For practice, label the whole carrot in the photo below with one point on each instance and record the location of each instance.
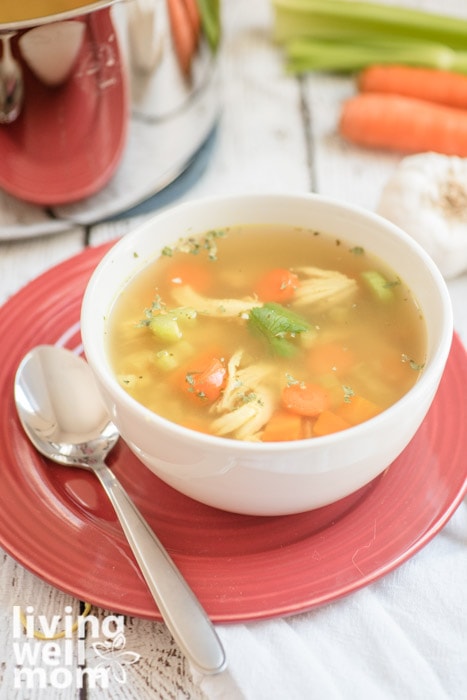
(183, 34)
(440, 86)
(192, 10)
(404, 124)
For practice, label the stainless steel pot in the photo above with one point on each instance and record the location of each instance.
(170, 83)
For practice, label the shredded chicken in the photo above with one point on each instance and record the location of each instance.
(186, 296)
(246, 404)
(319, 287)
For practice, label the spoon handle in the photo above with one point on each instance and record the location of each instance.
(179, 607)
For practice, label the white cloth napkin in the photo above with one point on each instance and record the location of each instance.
(404, 637)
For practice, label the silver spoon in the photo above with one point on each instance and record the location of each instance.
(11, 83)
(63, 415)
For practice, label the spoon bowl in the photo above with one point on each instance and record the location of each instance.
(60, 409)
(62, 413)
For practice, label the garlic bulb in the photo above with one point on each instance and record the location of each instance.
(427, 197)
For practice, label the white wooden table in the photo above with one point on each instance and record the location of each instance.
(276, 133)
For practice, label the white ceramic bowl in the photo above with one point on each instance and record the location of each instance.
(268, 478)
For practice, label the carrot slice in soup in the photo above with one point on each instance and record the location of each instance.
(283, 426)
(305, 399)
(330, 357)
(181, 273)
(277, 285)
(329, 422)
(204, 378)
(358, 409)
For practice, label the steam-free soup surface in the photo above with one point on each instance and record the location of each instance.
(266, 333)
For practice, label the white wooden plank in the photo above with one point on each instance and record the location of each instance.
(341, 170)
(21, 261)
(20, 589)
(149, 663)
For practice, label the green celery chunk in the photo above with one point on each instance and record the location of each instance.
(378, 285)
(165, 327)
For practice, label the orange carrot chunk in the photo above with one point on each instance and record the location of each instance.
(329, 422)
(440, 86)
(277, 285)
(330, 357)
(206, 380)
(305, 399)
(357, 409)
(180, 273)
(282, 426)
(404, 124)
(197, 426)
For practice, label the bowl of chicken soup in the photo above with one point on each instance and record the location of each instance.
(267, 354)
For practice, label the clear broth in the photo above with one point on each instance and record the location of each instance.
(360, 346)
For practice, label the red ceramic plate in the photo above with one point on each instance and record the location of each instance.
(68, 141)
(58, 523)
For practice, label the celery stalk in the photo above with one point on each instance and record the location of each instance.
(344, 56)
(359, 33)
(210, 20)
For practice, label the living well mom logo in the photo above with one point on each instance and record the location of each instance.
(56, 655)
